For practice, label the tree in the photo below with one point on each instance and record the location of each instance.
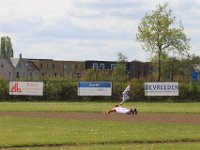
(119, 72)
(96, 75)
(157, 36)
(6, 47)
(164, 68)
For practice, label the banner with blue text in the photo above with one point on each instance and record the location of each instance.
(94, 89)
(161, 89)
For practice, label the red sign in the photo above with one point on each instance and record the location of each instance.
(26, 88)
(15, 88)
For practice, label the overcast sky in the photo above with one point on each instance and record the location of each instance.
(87, 29)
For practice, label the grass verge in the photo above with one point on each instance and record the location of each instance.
(192, 108)
(28, 132)
(166, 146)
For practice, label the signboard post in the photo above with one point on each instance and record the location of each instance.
(94, 88)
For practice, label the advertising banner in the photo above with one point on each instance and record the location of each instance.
(94, 89)
(161, 89)
(26, 88)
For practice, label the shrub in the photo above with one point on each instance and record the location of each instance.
(4, 89)
(63, 90)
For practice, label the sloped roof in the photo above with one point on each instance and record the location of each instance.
(14, 61)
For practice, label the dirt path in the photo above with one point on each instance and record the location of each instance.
(142, 117)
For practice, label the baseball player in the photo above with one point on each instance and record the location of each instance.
(122, 110)
(125, 95)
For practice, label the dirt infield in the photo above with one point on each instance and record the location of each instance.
(141, 117)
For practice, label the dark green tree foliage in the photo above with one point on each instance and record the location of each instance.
(193, 62)
(66, 91)
(6, 47)
(4, 86)
(96, 75)
(119, 73)
(180, 67)
(158, 35)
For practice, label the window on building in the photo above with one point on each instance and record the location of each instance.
(76, 66)
(139, 67)
(133, 70)
(30, 74)
(65, 66)
(47, 66)
(41, 65)
(70, 66)
(53, 66)
(112, 66)
(95, 66)
(2, 65)
(102, 66)
(17, 75)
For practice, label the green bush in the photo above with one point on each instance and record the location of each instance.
(117, 89)
(190, 91)
(63, 90)
(4, 89)
(137, 90)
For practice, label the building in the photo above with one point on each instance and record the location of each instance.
(100, 65)
(140, 70)
(52, 68)
(18, 68)
(73, 68)
(48, 67)
(134, 69)
(35, 69)
(6, 69)
(33, 72)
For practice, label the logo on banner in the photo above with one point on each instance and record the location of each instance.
(15, 88)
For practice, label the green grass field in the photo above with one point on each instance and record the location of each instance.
(34, 133)
(192, 108)
(178, 146)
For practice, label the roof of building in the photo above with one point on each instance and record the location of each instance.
(14, 61)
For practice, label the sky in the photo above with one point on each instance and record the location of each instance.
(79, 30)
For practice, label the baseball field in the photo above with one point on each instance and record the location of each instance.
(86, 125)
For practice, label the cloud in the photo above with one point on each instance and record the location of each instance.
(107, 4)
(82, 50)
(86, 29)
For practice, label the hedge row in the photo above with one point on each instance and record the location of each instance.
(66, 91)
